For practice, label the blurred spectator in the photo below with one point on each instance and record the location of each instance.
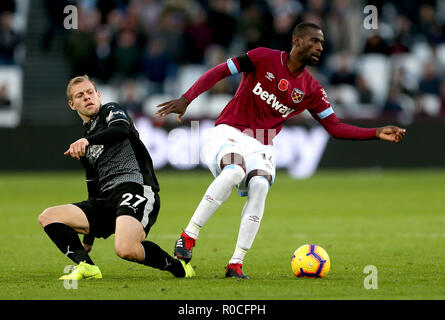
(343, 25)
(115, 21)
(154, 65)
(250, 26)
(286, 14)
(54, 9)
(103, 55)
(344, 74)
(376, 44)
(199, 35)
(283, 26)
(222, 22)
(126, 56)
(5, 101)
(9, 39)
(107, 6)
(149, 15)
(280, 7)
(429, 26)
(363, 90)
(173, 23)
(79, 47)
(317, 7)
(403, 39)
(393, 104)
(151, 39)
(404, 80)
(408, 8)
(131, 21)
(430, 81)
(131, 98)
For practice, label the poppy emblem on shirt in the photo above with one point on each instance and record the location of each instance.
(297, 95)
(283, 84)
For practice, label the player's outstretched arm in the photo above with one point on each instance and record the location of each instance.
(204, 83)
(390, 133)
(341, 130)
(173, 106)
(77, 149)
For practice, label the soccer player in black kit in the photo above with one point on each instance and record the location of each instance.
(122, 190)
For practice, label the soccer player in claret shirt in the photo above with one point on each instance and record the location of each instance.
(238, 150)
(122, 191)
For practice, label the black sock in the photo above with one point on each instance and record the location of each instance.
(157, 258)
(67, 240)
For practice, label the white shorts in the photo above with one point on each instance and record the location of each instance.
(223, 139)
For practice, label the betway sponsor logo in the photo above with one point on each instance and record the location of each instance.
(272, 101)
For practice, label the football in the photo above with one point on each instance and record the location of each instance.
(310, 260)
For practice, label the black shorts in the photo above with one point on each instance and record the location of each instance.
(127, 198)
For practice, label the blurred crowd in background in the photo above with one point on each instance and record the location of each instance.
(140, 47)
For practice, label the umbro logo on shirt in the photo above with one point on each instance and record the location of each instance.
(269, 76)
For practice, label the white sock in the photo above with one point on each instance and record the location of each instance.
(251, 217)
(217, 193)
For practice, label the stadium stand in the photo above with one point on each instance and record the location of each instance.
(163, 46)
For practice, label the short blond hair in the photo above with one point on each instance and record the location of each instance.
(75, 81)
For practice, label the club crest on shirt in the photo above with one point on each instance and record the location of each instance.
(93, 152)
(297, 95)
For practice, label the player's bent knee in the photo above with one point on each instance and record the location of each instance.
(68, 214)
(128, 251)
(235, 173)
(260, 184)
(46, 217)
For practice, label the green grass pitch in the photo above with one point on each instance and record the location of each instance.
(393, 220)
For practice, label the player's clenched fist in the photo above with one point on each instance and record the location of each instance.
(77, 149)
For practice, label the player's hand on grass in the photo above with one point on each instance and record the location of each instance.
(390, 133)
(77, 149)
(173, 106)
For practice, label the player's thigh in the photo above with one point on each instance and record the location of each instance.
(68, 214)
(221, 148)
(218, 143)
(128, 237)
(129, 231)
(137, 208)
